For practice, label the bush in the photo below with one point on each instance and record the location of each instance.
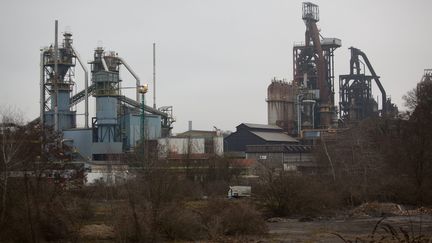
(127, 228)
(35, 216)
(178, 223)
(243, 219)
(222, 217)
(289, 194)
(216, 188)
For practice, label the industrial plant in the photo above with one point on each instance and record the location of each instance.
(306, 106)
(299, 112)
(120, 122)
(335, 159)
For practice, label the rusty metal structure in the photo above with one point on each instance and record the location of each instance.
(427, 76)
(281, 97)
(355, 90)
(423, 86)
(306, 106)
(313, 74)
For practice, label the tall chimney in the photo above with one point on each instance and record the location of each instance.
(154, 75)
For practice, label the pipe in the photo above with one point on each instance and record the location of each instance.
(313, 115)
(154, 75)
(313, 33)
(305, 76)
(298, 115)
(56, 125)
(374, 75)
(104, 63)
(42, 90)
(86, 113)
(42, 101)
(134, 75)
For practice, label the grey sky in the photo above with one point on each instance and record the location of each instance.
(215, 59)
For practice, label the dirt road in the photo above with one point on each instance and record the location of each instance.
(292, 230)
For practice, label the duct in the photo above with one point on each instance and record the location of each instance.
(377, 81)
(42, 90)
(104, 64)
(56, 54)
(86, 113)
(134, 75)
(146, 108)
(299, 96)
(305, 77)
(355, 64)
(324, 90)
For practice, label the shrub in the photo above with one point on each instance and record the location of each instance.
(178, 223)
(289, 194)
(222, 217)
(242, 219)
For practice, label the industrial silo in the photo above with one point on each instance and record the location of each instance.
(281, 105)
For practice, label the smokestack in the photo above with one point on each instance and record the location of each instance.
(154, 75)
(190, 126)
(56, 76)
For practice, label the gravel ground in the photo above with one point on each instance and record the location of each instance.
(292, 230)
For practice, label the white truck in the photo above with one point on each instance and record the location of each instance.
(239, 191)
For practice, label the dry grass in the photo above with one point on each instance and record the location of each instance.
(97, 232)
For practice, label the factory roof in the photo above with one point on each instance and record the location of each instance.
(278, 148)
(199, 133)
(275, 137)
(260, 126)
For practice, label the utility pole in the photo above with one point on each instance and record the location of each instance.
(56, 79)
(143, 90)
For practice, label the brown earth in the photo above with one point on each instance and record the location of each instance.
(292, 230)
(359, 222)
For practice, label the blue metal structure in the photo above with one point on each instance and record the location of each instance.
(106, 81)
(117, 126)
(81, 139)
(132, 128)
(57, 76)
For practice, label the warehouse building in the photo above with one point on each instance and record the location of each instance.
(256, 134)
(295, 158)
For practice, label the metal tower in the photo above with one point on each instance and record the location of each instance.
(313, 70)
(355, 90)
(106, 85)
(57, 81)
(105, 77)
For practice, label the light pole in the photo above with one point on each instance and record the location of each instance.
(143, 90)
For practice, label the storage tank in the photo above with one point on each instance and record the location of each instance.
(176, 147)
(281, 97)
(106, 81)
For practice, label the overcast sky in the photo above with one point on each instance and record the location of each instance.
(215, 58)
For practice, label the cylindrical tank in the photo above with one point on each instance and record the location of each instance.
(281, 104)
(105, 78)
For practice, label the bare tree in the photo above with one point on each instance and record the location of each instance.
(12, 140)
(352, 158)
(410, 99)
(417, 137)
